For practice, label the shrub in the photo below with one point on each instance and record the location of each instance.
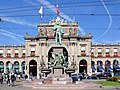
(114, 79)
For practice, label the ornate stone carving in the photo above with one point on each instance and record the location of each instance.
(57, 59)
(42, 32)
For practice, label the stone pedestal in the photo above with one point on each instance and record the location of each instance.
(57, 71)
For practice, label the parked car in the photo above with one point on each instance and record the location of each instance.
(104, 75)
(94, 76)
(80, 76)
(75, 77)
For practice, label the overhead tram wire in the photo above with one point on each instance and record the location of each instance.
(113, 29)
(33, 15)
(47, 8)
(18, 28)
(59, 3)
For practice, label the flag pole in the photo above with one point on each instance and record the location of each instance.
(57, 10)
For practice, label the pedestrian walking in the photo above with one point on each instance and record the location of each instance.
(31, 77)
(3, 75)
(19, 76)
(13, 79)
(26, 76)
(8, 79)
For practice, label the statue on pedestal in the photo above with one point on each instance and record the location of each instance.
(58, 32)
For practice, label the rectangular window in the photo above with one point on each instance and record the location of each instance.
(8, 52)
(32, 50)
(24, 51)
(23, 54)
(99, 51)
(16, 54)
(83, 49)
(1, 52)
(92, 51)
(115, 50)
(107, 50)
(16, 50)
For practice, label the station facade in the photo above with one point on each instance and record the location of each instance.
(78, 50)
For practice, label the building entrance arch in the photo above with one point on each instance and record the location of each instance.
(1, 67)
(83, 66)
(16, 67)
(33, 67)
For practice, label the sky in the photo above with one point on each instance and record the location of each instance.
(99, 17)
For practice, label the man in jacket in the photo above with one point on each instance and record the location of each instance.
(13, 78)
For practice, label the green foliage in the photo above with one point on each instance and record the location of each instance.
(114, 79)
(109, 83)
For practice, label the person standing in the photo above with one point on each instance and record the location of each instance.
(26, 76)
(13, 78)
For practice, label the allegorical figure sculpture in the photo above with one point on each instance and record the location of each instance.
(57, 59)
(58, 32)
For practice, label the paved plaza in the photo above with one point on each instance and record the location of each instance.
(35, 85)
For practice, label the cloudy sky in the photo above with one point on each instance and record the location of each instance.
(99, 17)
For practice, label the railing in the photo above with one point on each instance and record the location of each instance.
(23, 56)
(32, 54)
(83, 54)
(1, 56)
(99, 55)
(115, 55)
(107, 55)
(16, 56)
(8, 56)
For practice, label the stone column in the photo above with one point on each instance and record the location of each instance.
(89, 70)
(69, 56)
(45, 54)
(20, 67)
(4, 67)
(27, 67)
(96, 66)
(38, 64)
(69, 60)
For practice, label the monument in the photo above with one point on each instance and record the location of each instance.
(57, 59)
(58, 32)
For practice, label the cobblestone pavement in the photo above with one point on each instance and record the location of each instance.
(16, 87)
(83, 85)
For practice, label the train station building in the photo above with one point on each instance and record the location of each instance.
(78, 52)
